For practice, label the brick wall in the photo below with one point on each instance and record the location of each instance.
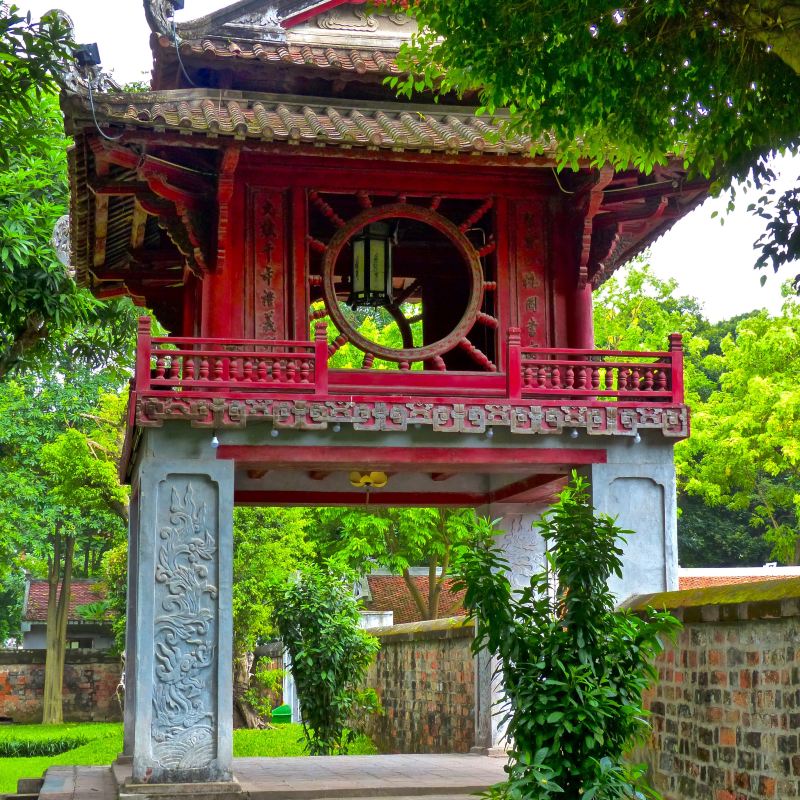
(726, 709)
(425, 677)
(90, 680)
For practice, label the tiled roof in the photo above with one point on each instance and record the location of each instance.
(390, 126)
(390, 593)
(81, 593)
(705, 581)
(359, 61)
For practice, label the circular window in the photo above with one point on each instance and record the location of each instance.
(434, 288)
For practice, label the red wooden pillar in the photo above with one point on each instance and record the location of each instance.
(580, 327)
(676, 350)
(143, 351)
(514, 364)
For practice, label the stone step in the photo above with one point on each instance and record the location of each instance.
(29, 786)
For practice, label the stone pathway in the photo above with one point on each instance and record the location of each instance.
(400, 777)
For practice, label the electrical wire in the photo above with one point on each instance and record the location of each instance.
(178, 53)
(94, 114)
(558, 181)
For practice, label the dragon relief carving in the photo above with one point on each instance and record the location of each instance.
(184, 713)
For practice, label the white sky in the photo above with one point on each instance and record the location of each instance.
(710, 261)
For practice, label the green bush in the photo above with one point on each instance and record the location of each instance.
(573, 668)
(317, 617)
(28, 748)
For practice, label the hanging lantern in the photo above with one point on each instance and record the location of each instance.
(371, 277)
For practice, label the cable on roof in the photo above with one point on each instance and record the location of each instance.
(94, 114)
(178, 53)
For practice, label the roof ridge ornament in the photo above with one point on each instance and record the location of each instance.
(266, 24)
(159, 14)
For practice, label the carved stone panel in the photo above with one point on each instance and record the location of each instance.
(185, 625)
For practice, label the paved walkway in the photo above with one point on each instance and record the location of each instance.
(400, 777)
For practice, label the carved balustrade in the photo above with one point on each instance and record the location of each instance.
(230, 367)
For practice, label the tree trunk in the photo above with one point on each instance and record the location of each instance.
(416, 594)
(57, 615)
(247, 716)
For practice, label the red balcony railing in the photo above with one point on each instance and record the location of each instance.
(243, 367)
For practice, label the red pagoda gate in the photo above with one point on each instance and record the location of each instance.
(267, 191)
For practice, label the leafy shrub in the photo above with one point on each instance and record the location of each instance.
(27, 748)
(317, 617)
(573, 668)
(266, 685)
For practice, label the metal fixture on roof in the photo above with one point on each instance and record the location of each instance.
(87, 55)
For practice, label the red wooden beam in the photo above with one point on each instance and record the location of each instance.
(376, 497)
(406, 459)
(506, 494)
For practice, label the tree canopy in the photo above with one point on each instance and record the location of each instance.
(31, 55)
(744, 451)
(631, 82)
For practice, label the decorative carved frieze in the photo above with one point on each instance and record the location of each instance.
(186, 577)
(357, 20)
(217, 412)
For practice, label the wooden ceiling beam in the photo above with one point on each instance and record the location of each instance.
(138, 225)
(100, 230)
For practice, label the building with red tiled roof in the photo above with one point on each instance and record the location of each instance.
(703, 578)
(81, 634)
(391, 593)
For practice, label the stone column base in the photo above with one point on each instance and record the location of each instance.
(224, 790)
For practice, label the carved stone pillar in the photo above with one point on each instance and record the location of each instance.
(524, 551)
(179, 720)
(637, 487)
(129, 715)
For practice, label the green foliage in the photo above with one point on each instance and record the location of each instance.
(718, 536)
(629, 83)
(376, 325)
(103, 744)
(317, 617)
(114, 579)
(573, 668)
(57, 471)
(31, 56)
(51, 746)
(353, 539)
(266, 685)
(744, 452)
(44, 317)
(635, 310)
(269, 546)
(285, 741)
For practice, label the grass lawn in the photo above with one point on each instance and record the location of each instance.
(104, 743)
